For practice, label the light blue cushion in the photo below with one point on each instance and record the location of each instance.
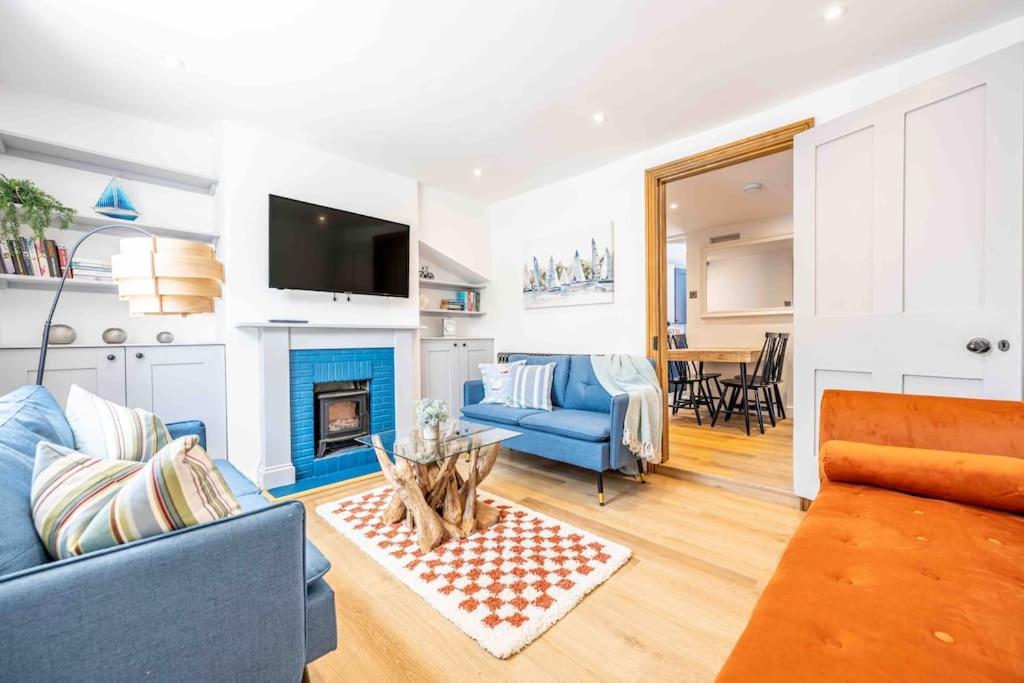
(497, 381)
(561, 375)
(316, 564)
(236, 481)
(27, 415)
(496, 413)
(187, 428)
(592, 455)
(583, 391)
(575, 424)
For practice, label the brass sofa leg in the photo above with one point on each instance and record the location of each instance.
(600, 488)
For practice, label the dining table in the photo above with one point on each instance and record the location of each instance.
(741, 355)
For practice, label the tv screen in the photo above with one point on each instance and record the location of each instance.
(328, 250)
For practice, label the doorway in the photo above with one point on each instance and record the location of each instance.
(720, 277)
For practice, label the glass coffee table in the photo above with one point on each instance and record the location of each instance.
(430, 492)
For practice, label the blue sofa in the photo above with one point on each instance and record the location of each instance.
(242, 598)
(584, 427)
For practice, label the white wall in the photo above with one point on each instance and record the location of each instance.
(253, 165)
(615, 192)
(22, 312)
(733, 331)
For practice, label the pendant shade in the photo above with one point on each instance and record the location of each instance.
(164, 276)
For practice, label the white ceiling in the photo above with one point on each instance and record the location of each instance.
(717, 198)
(435, 89)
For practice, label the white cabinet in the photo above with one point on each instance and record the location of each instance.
(99, 370)
(447, 364)
(181, 383)
(175, 382)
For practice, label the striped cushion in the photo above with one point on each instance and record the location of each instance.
(68, 489)
(178, 488)
(104, 429)
(531, 386)
(81, 503)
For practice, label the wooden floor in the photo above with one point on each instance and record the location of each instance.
(726, 453)
(701, 556)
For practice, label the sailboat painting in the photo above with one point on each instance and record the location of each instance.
(114, 202)
(570, 268)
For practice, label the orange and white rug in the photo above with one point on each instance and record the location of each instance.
(503, 587)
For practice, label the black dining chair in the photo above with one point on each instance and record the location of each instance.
(733, 398)
(689, 376)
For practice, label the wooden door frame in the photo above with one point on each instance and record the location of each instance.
(655, 180)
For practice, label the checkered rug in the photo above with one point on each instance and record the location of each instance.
(503, 587)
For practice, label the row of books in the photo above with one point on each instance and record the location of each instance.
(466, 300)
(91, 269)
(27, 256)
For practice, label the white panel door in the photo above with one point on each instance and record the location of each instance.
(440, 362)
(99, 370)
(908, 244)
(181, 383)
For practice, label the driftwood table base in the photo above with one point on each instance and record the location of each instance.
(436, 499)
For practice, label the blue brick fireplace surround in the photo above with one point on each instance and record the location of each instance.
(311, 366)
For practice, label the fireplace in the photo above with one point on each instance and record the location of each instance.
(342, 414)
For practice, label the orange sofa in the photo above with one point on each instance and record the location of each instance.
(909, 565)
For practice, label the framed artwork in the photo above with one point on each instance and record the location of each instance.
(573, 268)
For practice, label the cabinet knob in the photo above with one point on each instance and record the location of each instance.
(455, 343)
(111, 356)
(138, 354)
(463, 343)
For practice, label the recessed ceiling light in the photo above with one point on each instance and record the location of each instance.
(599, 118)
(172, 62)
(753, 187)
(673, 205)
(321, 218)
(835, 12)
(478, 172)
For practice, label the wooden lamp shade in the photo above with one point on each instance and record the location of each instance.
(163, 276)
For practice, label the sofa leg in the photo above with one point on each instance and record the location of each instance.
(640, 469)
(600, 488)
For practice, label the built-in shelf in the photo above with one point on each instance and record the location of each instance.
(37, 282)
(331, 326)
(445, 312)
(448, 284)
(83, 223)
(89, 160)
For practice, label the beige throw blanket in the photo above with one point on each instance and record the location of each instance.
(634, 375)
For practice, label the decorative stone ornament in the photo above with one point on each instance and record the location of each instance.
(114, 335)
(165, 337)
(61, 335)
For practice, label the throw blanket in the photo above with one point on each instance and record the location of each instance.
(634, 375)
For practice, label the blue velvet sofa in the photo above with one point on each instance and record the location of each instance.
(584, 427)
(242, 598)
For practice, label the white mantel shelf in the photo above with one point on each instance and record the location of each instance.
(329, 326)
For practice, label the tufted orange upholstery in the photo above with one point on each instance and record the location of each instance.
(882, 585)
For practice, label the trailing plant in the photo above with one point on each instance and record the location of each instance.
(22, 202)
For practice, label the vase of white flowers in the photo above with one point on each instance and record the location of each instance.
(431, 412)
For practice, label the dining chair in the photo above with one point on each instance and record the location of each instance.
(759, 382)
(685, 375)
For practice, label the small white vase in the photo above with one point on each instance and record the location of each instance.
(428, 432)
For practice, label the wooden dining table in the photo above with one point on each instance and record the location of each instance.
(741, 355)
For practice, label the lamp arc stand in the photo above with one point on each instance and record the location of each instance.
(60, 288)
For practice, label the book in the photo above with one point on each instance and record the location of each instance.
(28, 257)
(42, 265)
(6, 264)
(14, 249)
(62, 253)
(52, 258)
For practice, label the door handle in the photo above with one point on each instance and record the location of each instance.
(979, 345)
(138, 354)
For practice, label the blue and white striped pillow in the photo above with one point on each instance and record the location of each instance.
(531, 386)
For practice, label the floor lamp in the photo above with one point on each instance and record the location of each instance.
(155, 275)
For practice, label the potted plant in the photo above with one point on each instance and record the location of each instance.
(431, 412)
(22, 202)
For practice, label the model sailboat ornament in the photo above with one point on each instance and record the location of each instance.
(114, 202)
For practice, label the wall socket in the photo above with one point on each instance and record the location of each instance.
(693, 293)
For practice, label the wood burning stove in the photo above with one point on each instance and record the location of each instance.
(342, 414)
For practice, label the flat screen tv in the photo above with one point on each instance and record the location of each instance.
(328, 250)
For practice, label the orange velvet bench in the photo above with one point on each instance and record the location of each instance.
(909, 565)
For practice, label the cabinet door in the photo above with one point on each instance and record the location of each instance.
(181, 383)
(439, 363)
(475, 352)
(96, 369)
